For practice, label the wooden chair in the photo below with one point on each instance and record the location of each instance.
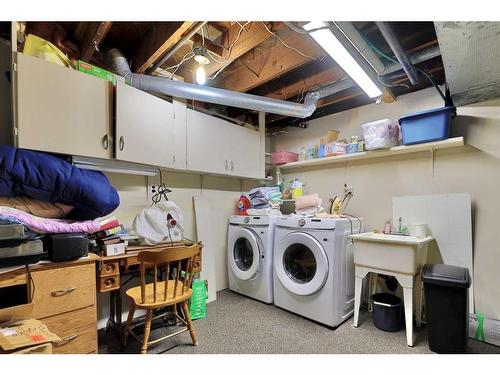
(177, 263)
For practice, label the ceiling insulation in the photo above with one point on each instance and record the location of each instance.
(470, 58)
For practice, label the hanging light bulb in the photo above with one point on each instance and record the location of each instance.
(200, 56)
(201, 76)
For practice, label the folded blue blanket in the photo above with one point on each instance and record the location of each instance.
(53, 179)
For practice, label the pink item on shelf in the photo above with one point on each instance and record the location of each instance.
(283, 157)
(305, 201)
(44, 225)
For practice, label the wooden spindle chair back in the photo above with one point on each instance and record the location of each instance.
(178, 258)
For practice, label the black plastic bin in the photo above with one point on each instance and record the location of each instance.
(387, 312)
(447, 307)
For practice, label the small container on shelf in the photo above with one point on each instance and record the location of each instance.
(283, 157)
(380, 134)
(335, 148)
(351, 148)
(427, 126)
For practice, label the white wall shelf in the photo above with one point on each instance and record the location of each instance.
(393, 151)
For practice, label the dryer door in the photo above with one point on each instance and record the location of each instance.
(244, 254)
(301, 264)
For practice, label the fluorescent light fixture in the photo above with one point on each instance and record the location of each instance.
(114, 166)
(337, 51)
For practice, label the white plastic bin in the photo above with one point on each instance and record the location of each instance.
(380, 134)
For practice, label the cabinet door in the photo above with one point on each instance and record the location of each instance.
(208, 143)
(62, 110)
(245, 155)
(144, 127)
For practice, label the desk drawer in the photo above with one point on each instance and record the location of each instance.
(63, 289)
(77, 331)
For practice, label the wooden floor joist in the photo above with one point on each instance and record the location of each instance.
(158, 42)
(272, 63)
(91, 35)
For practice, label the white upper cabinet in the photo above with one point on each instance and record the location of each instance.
(220, 147)
(61, 110)
(145, 128)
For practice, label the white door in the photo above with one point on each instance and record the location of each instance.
(301, 264)
(208, 143)
(144, 127)
(61, 110)
(244, 254)
(244, 151)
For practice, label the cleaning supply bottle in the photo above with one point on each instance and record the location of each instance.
(312, 152)
(296, 189)
(279, 183)
(321, 149)
(243, 205)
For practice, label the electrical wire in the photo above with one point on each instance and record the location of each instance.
(177, 66)
(286, 45)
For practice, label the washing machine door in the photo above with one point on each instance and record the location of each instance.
(301, 264)
(244, 254)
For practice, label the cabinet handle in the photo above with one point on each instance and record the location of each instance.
(105, 142)
(232, 166)
(62, 292)
(226, 165)
(65, 340)
(122, 143)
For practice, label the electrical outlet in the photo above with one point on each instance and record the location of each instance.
(153, 183)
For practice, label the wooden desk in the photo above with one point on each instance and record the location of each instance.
(64, 299)
(112, 268)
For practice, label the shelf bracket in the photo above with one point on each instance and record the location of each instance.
(433, 156)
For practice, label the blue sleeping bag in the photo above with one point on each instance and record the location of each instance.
(49, 178)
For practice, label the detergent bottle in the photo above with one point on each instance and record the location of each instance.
(296, 189)
(243, 205)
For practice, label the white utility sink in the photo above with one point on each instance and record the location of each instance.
(401, 254)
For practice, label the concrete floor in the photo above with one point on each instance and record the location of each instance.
(236, 324)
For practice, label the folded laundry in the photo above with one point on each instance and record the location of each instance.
(52, 179)
(36, 207)
(259, 197)
(263, 211)
(37, 224)
(306, 201)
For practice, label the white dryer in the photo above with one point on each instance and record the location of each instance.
(314, 268)
(250, 256)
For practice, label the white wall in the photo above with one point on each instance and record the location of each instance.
(473, 169)
(222, 193)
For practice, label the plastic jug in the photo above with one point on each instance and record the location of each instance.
(296, 189)
(243, 205)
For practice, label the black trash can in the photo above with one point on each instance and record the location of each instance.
(387, 312)
(447, 307)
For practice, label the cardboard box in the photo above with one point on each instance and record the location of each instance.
(114, 249)
(335, 148)
(24, 333)
(484, 329)
(93, 70)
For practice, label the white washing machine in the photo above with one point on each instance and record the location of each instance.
(314, 268)
(250, 256)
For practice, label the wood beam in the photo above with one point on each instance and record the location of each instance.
(211, 46)
(158, 42)
(272, 63)
(91, 35)
(255, 34)
(312, 82)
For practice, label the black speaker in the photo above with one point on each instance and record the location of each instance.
(63, 247)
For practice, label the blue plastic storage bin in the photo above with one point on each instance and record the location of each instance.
(427, 126)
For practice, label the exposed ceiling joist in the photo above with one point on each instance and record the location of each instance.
(307, 84)
(274, 62)
(90, 35)
(158, 42)
(211, 46)
(254, 34)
